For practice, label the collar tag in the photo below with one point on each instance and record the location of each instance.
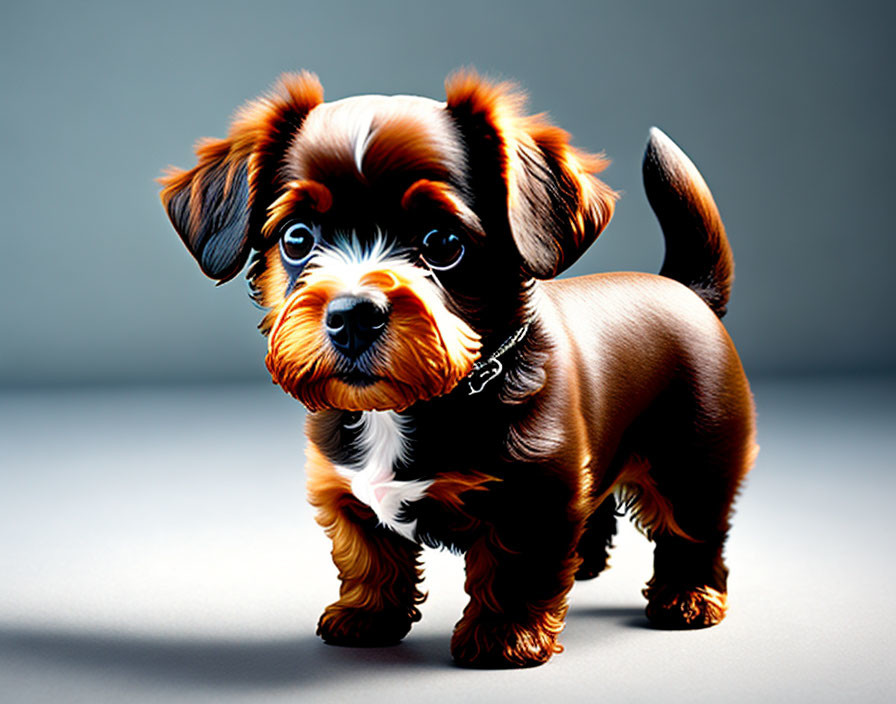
(482, 374)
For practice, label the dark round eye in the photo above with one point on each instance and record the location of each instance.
(442, 250)
(296, 243)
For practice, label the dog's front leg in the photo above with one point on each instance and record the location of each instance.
(517, 594)
(379, 570)
(378, 596)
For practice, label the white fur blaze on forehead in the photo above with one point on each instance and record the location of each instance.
(354, 134)
(360, 136)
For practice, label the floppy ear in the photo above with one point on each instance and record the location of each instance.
(555, 208)
(209, 208)
(218, 206)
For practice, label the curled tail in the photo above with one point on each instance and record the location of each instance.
(697, 250)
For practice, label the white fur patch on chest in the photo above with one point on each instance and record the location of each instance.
(383, 441)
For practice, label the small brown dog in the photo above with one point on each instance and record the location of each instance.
(458, 397)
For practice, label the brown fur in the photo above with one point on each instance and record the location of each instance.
(624, 385)
(250, 152)
(379, 572)
(421, 359)
(435, 195)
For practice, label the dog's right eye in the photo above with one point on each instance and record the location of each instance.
(442, 250)
(296, 243)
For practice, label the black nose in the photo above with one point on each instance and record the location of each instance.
(354, 323)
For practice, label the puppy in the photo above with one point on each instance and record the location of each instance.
(458, 396)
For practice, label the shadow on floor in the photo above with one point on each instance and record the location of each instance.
(226, 663)
(628, 616)
(245, 663)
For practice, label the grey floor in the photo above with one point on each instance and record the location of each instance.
(155, 546)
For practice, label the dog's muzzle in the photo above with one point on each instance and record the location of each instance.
(380, 341)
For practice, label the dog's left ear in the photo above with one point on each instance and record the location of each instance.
(555, 207)
(219, 205)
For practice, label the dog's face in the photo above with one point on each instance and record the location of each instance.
(392, 236)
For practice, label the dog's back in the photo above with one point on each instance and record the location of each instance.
(642, 327)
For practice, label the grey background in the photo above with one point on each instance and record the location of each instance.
(155, 544)
(787, 108)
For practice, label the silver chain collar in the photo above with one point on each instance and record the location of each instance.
(484, 372)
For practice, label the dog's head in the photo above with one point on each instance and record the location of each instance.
(393, 237)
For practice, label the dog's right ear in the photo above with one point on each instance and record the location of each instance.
(218, 206)
(552, 203)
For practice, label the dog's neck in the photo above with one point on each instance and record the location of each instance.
(390, 465)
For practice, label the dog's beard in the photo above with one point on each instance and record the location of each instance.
(424, 352)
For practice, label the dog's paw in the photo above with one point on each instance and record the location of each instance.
(678, 608)
(495, 643)
(346, 625)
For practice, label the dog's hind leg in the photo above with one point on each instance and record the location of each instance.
(595, 543)
(689, 585)
(695, 474)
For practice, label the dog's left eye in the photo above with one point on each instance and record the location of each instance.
(442, 250)
(296, 243)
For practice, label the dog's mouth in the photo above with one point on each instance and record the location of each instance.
(357, 378)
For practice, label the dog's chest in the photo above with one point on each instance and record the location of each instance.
(379, 449)
(392, 460)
